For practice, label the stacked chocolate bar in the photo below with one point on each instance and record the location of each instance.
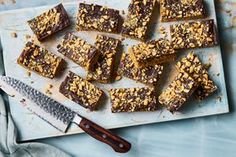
(192, 77)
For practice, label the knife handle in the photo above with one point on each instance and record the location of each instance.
(117, 143)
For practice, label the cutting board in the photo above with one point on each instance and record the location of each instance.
(32, 127)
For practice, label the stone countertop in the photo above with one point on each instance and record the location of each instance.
(199, 137)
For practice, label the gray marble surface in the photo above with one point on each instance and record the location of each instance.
(199, 137)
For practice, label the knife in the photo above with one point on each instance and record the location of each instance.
(59, 115)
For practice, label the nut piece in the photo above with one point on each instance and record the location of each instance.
(14, 35)
(28, 73)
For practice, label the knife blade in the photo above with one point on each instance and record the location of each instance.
(59, 115)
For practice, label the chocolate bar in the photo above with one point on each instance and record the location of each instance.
(151, 53)
(133, 99)
(49, 22)
(96, 17)
(78, 51)
(104, 67)
(149, 75)
(138, 18)
(81, 91)
(173, 10)
(193, 34)
(39, 60)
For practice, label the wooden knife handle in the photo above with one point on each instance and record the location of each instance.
(117, 143)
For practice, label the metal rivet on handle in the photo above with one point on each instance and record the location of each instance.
(121, 145)
(104, 136)
(86, 126)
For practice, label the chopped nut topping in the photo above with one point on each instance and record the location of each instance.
(81, 91)
(38, 59)
(138, 18)
(193, 66)
(148, 75)
(133, 99)
(152, 52)
(104, 67)
(178, 92)
(193, 34)
(49, 22)
(96, 17)
(79, 51)
(172, 10)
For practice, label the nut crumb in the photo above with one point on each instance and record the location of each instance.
(50, 86)
(28, 73)
(123, 12)
(14, 34)
(27, 36)
(219, 98)
(218, 74)
(207, 66)
(31, 82)
(48, 92)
